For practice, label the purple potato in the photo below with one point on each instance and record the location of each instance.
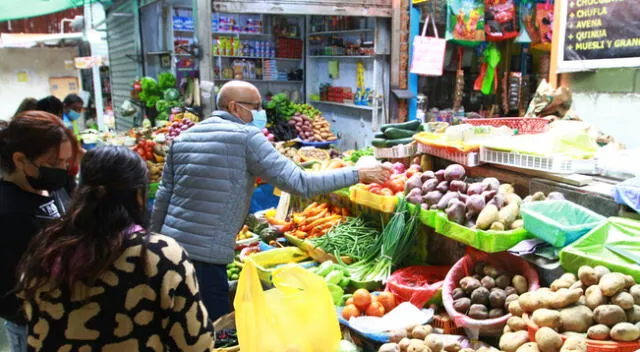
(440, 175)
(458, 186)
(454, 172)
(443, 186)
(429, 185)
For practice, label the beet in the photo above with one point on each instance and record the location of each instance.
(427, 175)
(432, 198)
(443, 186)
(458, 186)
(488, 195)
(475, 188)
(429, 185)
(455, 211)
(463, 197)
(491, 183)
(475, 204)
(415, 196)
(413, 182)
(440, 175)
(444, 201)
(454, 172)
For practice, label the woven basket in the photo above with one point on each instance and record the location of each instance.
(226, 322)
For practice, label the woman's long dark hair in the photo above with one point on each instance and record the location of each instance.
(89, 238)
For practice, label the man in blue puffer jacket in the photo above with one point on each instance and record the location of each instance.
(209, 178)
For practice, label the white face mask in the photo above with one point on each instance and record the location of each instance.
(259, 119)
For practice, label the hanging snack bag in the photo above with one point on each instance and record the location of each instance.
(544, 26)
(465, 22)
(501, 20)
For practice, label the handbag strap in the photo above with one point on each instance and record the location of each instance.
(426, 24)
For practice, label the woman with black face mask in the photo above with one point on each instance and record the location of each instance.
(35, 150)
(97, 280)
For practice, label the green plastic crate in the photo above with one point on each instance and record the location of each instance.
(590, 249)
(486, 241)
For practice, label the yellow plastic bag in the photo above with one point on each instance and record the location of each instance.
(296, 316)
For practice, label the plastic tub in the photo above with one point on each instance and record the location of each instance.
(592, 345)
(464, 267)
(417, 284)
(524, 125)
(558, 222)
(591, 249)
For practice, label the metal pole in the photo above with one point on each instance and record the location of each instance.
(202, 14)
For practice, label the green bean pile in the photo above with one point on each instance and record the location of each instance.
(353, 237)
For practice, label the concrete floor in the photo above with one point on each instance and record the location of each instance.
(4, 344)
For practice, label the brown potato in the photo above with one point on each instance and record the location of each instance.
(419, 332)
(512, 341)
(548, 340)
(629, 281)
(497, 298)
(469, 284)
(547, 317)
(576, 319)
(457, 293)
(594, 297)
(599, 332)
(478, 311)
(623, 299)
(530, 301)
(601, 271)
(565, 281)
(506, 329)
(587, 275)
(520, 283)
(515, 309)
(497, 313)
(462, 305)
(516, 324)
(509, 299)
(612, 283)
(624, 332)
(609, 315)
(633, 314)
(564, 297)
(574, 344)
(503, 281)
(635, 292)
(488, 282)
(389, 347)
(528, 347)
(434, 343)
(480, 296)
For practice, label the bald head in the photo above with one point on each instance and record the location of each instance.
(239, 91)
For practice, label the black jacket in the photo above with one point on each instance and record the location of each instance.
(22, 216)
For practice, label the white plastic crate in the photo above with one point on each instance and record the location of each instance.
(551, 164)
(396, 152)
(470, 159)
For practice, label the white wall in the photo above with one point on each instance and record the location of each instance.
(40, 63)
(616, 114)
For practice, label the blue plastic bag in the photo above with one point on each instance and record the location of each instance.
(628, 193)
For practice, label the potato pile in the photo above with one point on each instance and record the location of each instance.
(488, 293)
(598, 304)
(422, 339)
(315, 129)
(155, 171)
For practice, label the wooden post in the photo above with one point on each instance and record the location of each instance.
(555, 49)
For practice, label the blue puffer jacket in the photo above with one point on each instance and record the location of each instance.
(209, 178)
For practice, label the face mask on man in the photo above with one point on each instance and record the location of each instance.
(73, 115)
(259, 119)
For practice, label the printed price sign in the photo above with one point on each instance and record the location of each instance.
(599, 34)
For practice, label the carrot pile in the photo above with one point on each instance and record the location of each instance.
(314, 221)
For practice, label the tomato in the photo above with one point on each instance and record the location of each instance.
(375, 309)
(386, 192)
(396, 186)
(371, 185)
(410, 173)
(350, 311)
(375, 189)
(361, 299)
(388, 300)
(349, 301)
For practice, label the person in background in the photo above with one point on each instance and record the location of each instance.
(72, 109)
(209, 178)
(54, 106)
(35, 150)
(51, 105)
(98, 280)
(26, 105)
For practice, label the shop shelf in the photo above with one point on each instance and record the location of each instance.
(354, 106)
(242, 34)
(341, 57)
(552, 164)
(470, 159)
(348, 31)
(252, 57)
(262, 81)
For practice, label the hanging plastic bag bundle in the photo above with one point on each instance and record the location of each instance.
(465, 22)
(296, 316)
